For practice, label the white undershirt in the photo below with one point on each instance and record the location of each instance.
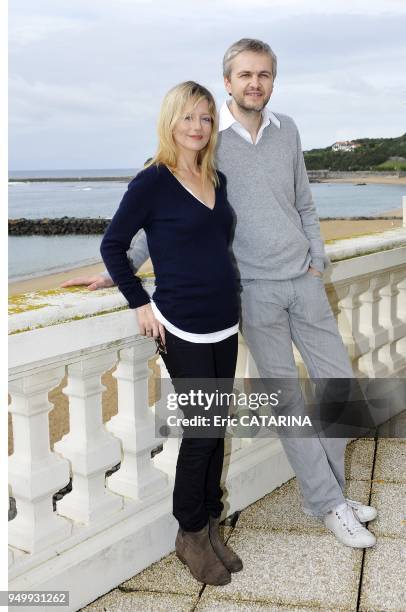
(217, 336)
(210, 337)
(226, 120)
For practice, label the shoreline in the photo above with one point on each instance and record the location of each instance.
(55, 279)
(368, 179)
(330, 230)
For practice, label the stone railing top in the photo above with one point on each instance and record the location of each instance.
(363, 245)
(39, 309)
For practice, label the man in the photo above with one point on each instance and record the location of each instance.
(280, 259)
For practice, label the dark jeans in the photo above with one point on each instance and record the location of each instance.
(197, 492)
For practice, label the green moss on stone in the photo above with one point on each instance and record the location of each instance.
(14, 309)
(60, 291)
(335, 240)
(75, 318)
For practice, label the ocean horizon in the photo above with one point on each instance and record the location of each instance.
(72, 173)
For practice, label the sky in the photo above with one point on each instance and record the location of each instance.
(86, 77)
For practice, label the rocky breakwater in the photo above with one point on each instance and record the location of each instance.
(55, 227)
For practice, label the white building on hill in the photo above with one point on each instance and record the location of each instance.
(345, 145)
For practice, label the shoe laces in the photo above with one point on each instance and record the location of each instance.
(348, 519)
(354, 504)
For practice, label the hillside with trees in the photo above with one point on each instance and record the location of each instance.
(374, 154)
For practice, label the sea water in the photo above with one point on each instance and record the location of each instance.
(37, 255)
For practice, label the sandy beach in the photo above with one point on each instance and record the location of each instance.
(371, 180)
(50, 281)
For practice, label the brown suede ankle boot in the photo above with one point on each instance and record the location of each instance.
(194, 549)
(229, 558)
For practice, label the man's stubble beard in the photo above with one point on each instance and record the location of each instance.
(249, 109)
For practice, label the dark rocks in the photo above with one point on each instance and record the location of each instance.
(72, 179)
(54, 227)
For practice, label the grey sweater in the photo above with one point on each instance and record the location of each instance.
(277, 232)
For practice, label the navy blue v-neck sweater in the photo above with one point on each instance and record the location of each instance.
(196, 286)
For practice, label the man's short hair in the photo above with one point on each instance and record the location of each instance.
(247, 44)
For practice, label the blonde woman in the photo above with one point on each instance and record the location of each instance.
(180, 201)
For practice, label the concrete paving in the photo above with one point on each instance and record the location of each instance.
(291, 562)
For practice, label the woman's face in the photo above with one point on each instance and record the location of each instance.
(193, 130)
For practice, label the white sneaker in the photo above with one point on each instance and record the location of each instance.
(347, 528)
(363, 513)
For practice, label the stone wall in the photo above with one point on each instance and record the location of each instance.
(331, 174)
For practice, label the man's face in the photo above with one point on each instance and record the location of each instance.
(250, 81)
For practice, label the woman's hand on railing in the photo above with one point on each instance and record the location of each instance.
(148, 324)
(93, 282)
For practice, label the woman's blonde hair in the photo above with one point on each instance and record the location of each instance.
(172, 109)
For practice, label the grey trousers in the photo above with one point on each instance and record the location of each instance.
(273, 314)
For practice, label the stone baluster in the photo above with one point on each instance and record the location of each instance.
(252, 370)
(400, 279)
(249, 370)
(401, 310)
(369, 325)
(241, 367)
(233, 443)
(300, 365)
(245, 370)
(166, 460)
(349, 320)
(91, 449)
(35, 473)
(334, 294)
(134, 425)
(390, 319)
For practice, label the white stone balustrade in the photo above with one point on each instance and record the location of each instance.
(134, 425)
(107, 529)
(401, 305)
(349, 318)
(369, 325)
(35, 474)
(393, 320)
(166, 460)
(90, 449)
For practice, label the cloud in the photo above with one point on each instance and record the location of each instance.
(95, 73)
(28, 30)
(320, 7)
(44, 104)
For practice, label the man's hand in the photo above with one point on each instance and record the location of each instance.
(92, 282)
(148, 324)
(314, 271)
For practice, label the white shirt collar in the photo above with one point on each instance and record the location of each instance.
(226, 119)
